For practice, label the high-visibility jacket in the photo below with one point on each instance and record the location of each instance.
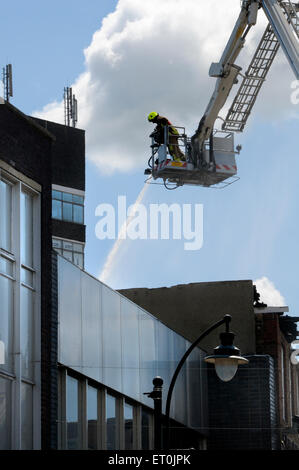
(161, 123)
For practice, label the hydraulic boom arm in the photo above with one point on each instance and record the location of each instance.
(283, 29)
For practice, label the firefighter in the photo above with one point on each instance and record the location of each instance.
(173, 145)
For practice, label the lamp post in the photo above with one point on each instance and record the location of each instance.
(226, 358)
(156, 395)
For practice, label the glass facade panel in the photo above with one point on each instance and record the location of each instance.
(92, 329)
(111, 338)
(56, 210)
(178, 403)
(78, 199)
(92, 416)
(145, 429)
(195, 404)
(5, 413)
(6, 320)
(72, 414)
(78, 247)
(57, 195)
(71, 251)
(67, 197)
(67, 245)
(130, 348)
(110, 422)
(70, 339)
(27, 333)
(67, 212)
(78, 259)
(78, 214)
(26, 229)
(56, 243)
(27, 422)
(148, 360)
(68, 255)
(128, 419)
(166, 364)
(5, 218)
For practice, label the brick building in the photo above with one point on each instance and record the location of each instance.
(39, 162)
(25, 283)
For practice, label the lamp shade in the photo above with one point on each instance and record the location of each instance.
(226, 358)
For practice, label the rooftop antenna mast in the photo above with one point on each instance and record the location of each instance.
(70, 108)
(7, 81)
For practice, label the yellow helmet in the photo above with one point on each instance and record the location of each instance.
(152, 116)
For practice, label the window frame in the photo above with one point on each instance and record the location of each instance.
(102, 392)
(73, 204)
(74, 252)
(20, 184)
(11, 182)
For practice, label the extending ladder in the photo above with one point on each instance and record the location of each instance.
(291, 11)
(257, 71)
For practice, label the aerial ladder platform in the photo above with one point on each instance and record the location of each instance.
(211, 153)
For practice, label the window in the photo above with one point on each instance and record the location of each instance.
(5, 215)
(73, 251)
(72, 415)
(92, 416)
(68, 207)
(27, 421)
(6, 316)
(145, 429)
(27, 330)
(26, 229)
(111, 422)
(20, 309)
(128, 419)
(5, 411)
(27, 287)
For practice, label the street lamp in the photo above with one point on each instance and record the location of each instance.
(226, 359)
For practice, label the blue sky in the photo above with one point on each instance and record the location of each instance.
(250, 228)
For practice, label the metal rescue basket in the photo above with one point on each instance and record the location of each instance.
(214, 166)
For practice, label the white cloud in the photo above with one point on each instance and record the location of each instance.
(268, 292)
(155, 55)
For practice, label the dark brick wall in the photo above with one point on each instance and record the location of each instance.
(53, 385)
(68, 230)
(242, 412)
(24, 145)
(68, 162)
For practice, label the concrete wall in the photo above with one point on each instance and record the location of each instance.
(191, 308)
